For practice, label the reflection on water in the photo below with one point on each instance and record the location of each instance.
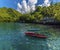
(12, 37)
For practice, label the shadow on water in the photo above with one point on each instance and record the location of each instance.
(54, 26)
(29, 43)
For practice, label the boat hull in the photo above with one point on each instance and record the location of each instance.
(32, 34)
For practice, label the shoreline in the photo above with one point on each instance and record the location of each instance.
(42, 23)
(48, 24)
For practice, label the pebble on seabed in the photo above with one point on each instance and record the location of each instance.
(27, 42)
(49, 45)
(27, 39)
(20, 43)
(54, 47)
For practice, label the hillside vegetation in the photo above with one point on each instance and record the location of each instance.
(9, 14)
(42, 13)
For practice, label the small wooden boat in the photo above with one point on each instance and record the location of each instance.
(33, 34)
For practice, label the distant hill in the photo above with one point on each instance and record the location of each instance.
(9, 14)
(49, 14)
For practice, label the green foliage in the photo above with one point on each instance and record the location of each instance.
(56, 11)
(9, 14)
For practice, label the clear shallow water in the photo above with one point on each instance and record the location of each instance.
(12, 37)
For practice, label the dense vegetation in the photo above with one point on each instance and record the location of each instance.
(9, 14)
(40, 13)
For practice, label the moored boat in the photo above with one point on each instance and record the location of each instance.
(33, 34)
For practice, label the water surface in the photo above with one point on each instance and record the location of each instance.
(12, 37)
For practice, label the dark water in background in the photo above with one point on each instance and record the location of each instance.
(12, 37)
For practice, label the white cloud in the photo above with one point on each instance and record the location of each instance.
(19, 7)
(33, 1)
(25, 7)
(46, 3)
